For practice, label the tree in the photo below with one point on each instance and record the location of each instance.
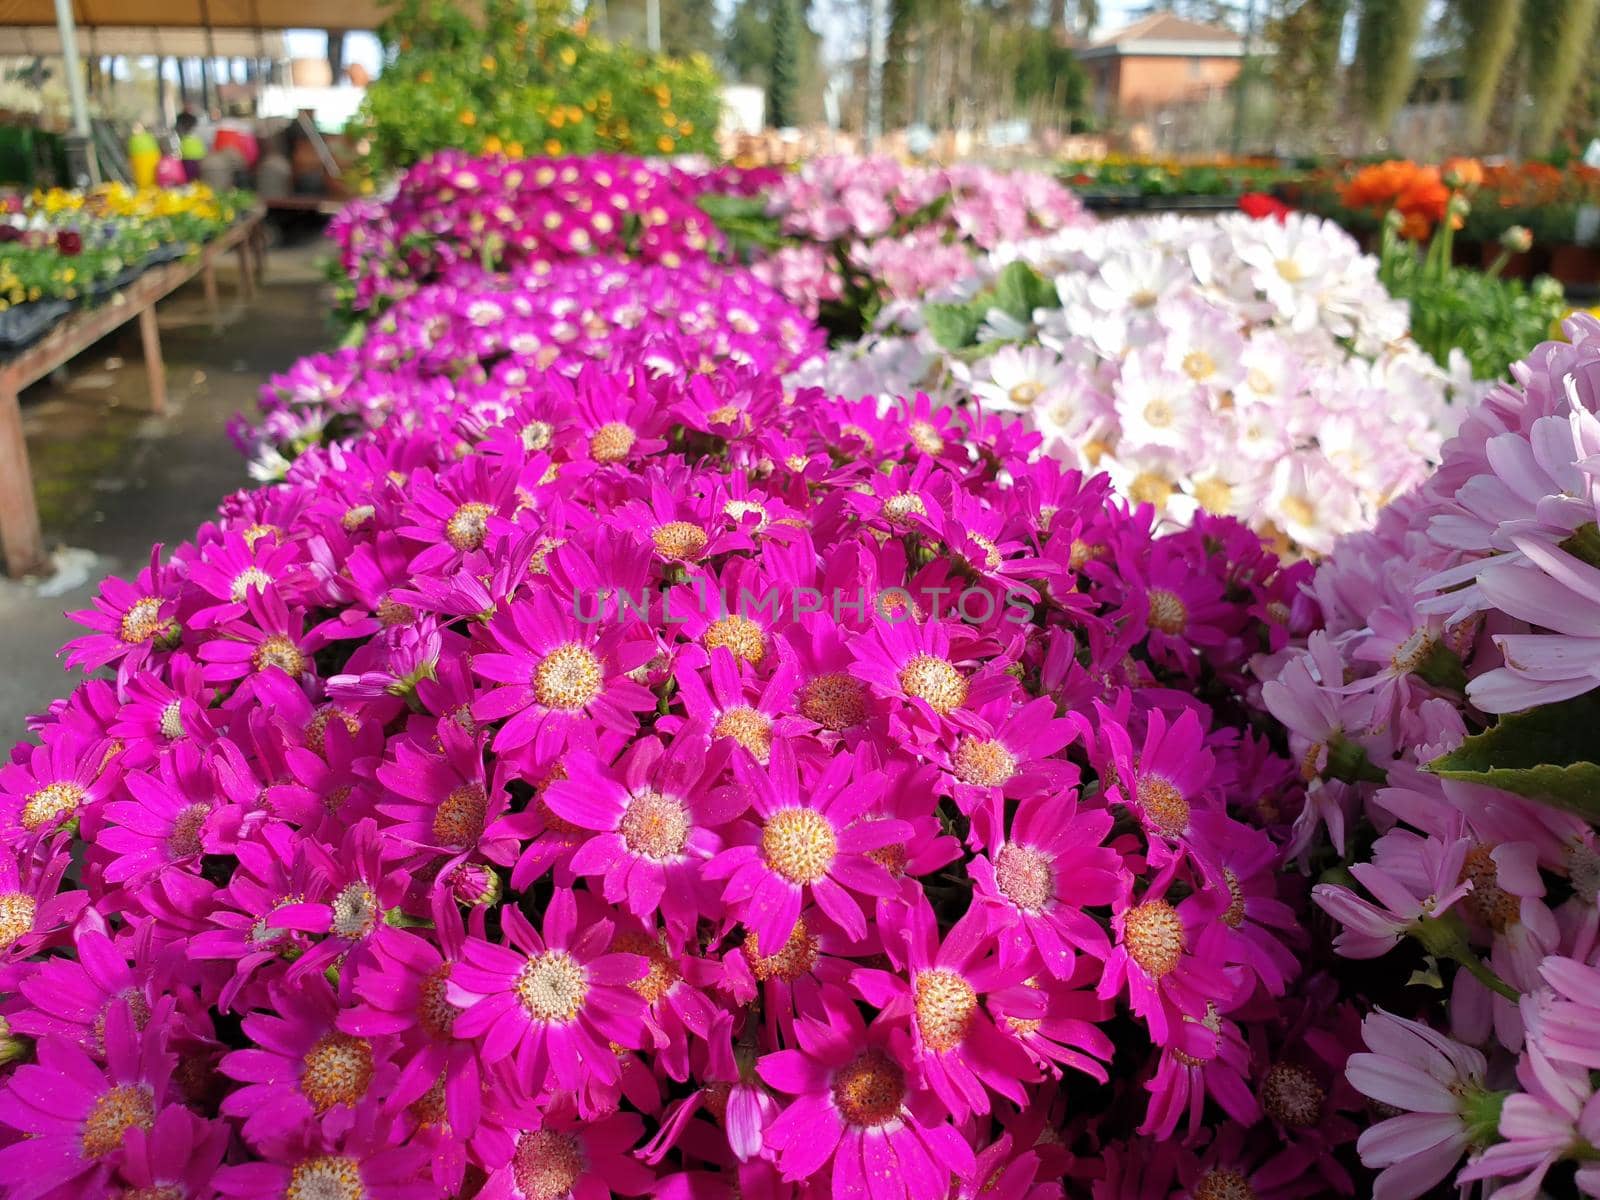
(1306, 36)
(1386, 40)
(1488, 37)
(783, 72)
(1557, 39)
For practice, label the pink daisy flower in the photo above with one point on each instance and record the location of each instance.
(303, 1071)
(961, 1052)
(858, 1109)
(76, 1114)
(1038, 878)
(654, 814)
(34, 910)
(554, 1003)
(47, 785)
(132, 621)
(808, 843)
(568, 1158)
(557, 675)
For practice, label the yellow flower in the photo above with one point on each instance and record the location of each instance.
(488, 63)
(552, 147)
(568, 56)
(665, 144)
(514, 150)
(491, 144)
(468, 117)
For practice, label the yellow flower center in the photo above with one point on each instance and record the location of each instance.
(250, 577)
(1197, 365)
(798, 956)
(933, 679)
(799, 844)
(835, 701)
(116, 1111)
(317, 727)
(468, 526)
(184, 840)
(49, 802)
(680, 540)
(945, 1003)
(1149, 488)
(326, 1177)
(1168, 613)
(611, 442)
(568, 678)
(1164, 806)
(552, 986)
(1221, 1183)
(459, 818)
(984, 762)
(141, 622)
(16, 917)
(1215, 495)
(547, 1164)
(751, 729)
(355, 911)
(278, 651)
(1025, 876)
(1025, 393)
(1292, 1096)
(337, 1070)
(870, 1091)
(739, 635)
(1488, 901)
(1153, 933)
(663, 972)
(900, 508)
(655, 826)
(434, 1010)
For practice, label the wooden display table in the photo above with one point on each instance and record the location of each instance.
(20, 538)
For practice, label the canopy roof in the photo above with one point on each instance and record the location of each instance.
(201, 14)
(26, 41)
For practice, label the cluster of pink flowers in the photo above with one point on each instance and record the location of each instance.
(525, 213)
(872, 234)
(1444, 720)
(476, 339)
(659, 782)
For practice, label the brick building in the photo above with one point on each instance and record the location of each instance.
(1160, 61)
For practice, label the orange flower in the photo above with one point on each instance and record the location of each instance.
(1462, 172)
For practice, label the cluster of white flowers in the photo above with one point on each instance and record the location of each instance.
(1251, 368)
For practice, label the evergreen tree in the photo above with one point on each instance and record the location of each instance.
(1558, 42)
(1386, 41)
(783, 72)
(1305, 67)
(1488, 36)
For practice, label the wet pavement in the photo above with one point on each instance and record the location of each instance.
(112, 479)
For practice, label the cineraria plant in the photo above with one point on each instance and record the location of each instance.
(1445, 723)
(662, 782)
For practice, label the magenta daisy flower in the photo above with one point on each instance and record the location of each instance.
(857, 1108)
(132, 621)
(961, 1053)
(273, 637)
(568, 1158)
(362, 1165)
(1168, 779)
(1035, 882)
(440, 800)
(47, 785)
(1008, 753)
(726, 708)
(75, 1114)
(558, 675)
(34, 911)
(456, 512)
(403, 994)
(654, 814)
(912, 662)
(1167, 959)
(163, 823)
(174, 1159)
(807, 841)
(301, 1069)
(554, 1003)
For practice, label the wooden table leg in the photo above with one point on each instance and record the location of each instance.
(208, 280)
(155, 368)
(20, 537)
(258, 238)
(247, 273)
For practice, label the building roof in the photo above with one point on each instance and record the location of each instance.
(1166, 35)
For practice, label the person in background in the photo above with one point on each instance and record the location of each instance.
(191, 147)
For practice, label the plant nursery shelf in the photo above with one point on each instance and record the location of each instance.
(21, 540)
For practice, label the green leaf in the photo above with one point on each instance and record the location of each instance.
(1545, 754)
(1020, 289)
(953, 325)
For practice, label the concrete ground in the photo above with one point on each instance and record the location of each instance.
(112, 479)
